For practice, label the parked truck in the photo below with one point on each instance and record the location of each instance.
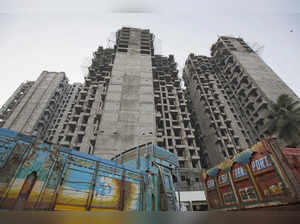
(35, 175)
(262, 177)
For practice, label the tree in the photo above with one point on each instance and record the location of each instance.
(284, 120)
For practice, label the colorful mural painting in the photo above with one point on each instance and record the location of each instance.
(39, 176)
(154, 159)
(260, 177)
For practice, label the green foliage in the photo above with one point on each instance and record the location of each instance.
(284, 120)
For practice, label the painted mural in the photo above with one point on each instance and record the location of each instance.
(35, 175)
(254, 178)
(152, 158)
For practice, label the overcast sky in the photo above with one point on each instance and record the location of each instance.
(58, 35)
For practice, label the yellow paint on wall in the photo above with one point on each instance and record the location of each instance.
(3, 187)
(48, 195)
(111, 200)
(36, 190)
(131, 200)
(104, 210)
(69, 208)
(15, 188)
(68, 196)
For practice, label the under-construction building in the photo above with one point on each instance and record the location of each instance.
(129, 97)
(228, 94)
(31, 109)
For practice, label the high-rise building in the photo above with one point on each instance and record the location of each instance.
(228, 95)
(31, 108)
(129, 97)
(8, 107)
(128, 117)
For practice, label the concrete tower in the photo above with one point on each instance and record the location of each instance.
(32, 106)
(129, 97)
(229, 93)
(128, 117)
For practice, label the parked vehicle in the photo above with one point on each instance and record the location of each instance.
(35, 175)
(263, 177)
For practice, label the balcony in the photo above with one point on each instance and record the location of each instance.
(190, 136)
(65, 143)
(230, 146)
(83, 92)
(186, 119)
(72, 123)
(252, 89)
(241, 90)
(218, 140)
(174, 111)
(179, 146)
(222, 127)
(227, 121)
(207, 109)
(262, 104)
(195, 157)
(259, 120)
(159, 139)
(181, 158)
(159, 134)
(80, 132)
(176, 127)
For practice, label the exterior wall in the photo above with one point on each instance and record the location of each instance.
(174, 130)
(257, 70)
(189, 180)
(236, 85)
(9, 106)
(218, 128)
(77, 121)
(128, 113)
(249, 82)
(34, 113)
(62, 116)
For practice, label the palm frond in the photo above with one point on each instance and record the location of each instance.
(284, 119)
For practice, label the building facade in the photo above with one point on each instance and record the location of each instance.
(228, 95)
(128, 117)
(9, 106)
(32, 107)
(129, 97)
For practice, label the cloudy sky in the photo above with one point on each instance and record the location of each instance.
(60, 35)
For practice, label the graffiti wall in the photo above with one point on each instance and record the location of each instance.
(35, 175)
(154, 159)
